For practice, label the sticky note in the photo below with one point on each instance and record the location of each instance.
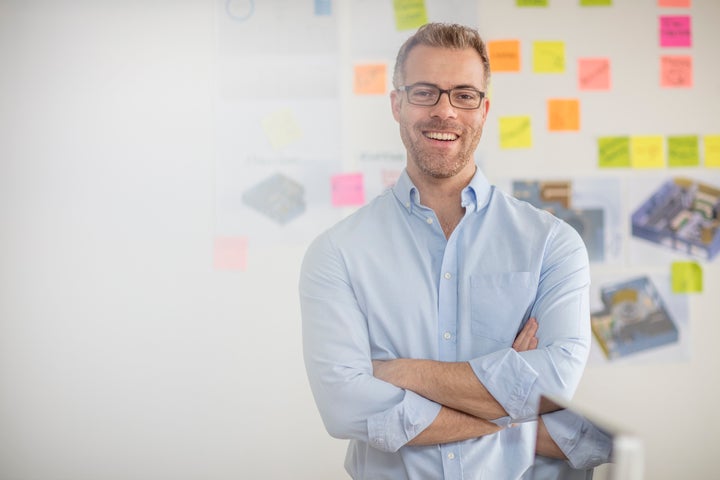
(504, 55)
(674, 3)
(712, 150)
(594, 74)
(370, 79)
(675, 31)
(347, 190)
(676, 71)
(323, 7)
(230, 253)
(515, 132)
(531, 3)
(687, 277)
(409, 14)
(647, 151)
(613, 152)
(563, 114)
(595, 3)
(683, 151)
(281, 128)
(548, 57)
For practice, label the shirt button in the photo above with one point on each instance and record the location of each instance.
(429, 220)
(448, 275)
(451, 456)
(407, 204)
(447, 335)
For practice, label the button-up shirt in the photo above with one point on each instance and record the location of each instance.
(386, 283)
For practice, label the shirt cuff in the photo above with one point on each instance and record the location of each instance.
(508, 378)
(393, 428)
(584, 444)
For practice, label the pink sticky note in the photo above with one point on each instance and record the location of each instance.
(230, 253)
(675, 31)
(676, 71)
(348, 190)
(594, 73)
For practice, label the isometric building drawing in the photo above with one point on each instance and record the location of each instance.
(634, 318)
(278, 197)
(683, 215)
(556, 197)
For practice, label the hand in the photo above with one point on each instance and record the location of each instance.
(526, 339)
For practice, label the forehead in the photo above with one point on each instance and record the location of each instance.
(445, 67)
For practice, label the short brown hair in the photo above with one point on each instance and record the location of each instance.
(445, 35)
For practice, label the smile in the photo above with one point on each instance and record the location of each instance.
(444, 136)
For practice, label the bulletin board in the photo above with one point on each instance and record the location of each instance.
(602, 112)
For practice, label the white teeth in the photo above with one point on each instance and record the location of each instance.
(441, 136)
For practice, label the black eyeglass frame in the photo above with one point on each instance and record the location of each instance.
(405, 88)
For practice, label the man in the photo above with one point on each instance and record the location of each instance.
(411, 306)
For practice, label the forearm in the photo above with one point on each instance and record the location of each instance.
(454, 426)
(545, 445)
(452, 384)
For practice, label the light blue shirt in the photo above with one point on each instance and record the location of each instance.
(385, 283)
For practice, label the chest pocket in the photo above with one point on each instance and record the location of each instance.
(498, 303)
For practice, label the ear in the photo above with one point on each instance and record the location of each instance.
(395, 101)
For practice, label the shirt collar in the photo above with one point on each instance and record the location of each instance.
(474, 197)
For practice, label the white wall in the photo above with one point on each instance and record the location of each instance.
(123, 354)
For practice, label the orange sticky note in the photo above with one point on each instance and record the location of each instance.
(594, 74)
(563, 114)
(674, 3)
(230, 253)
(676, 71)
(647, 151)
(504, 55)
(370, 79)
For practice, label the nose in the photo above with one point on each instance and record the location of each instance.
(443, 108)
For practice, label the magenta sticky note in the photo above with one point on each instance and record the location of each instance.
(348, 190)
(675, 31)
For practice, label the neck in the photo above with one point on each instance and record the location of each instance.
(442, 195)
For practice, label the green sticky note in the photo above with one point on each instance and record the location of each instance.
(712, 150)
(548, 57)
(409, 14)
(595, 3)
(647, 152)
(683, 151)
(687, 277)
(614, 152)
(531, 3)
(515, 132)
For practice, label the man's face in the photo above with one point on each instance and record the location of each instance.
(440, 139)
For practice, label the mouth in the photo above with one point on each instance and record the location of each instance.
(442, 136)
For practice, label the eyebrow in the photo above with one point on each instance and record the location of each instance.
(463, 85)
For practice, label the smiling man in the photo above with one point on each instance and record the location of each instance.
(419, 331)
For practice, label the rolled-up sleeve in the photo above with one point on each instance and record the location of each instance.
(352, 402)
(561, 307)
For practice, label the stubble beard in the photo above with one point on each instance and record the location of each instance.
(436, 165)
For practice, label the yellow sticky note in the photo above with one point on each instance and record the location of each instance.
(613, 152)
(409, 14)
(687, 277)
(504, 55)
(281, 128)
(549, 57)
(683, 151)
(647, 152)
(515, 132)
(370, 79)
(563, 114)
(712, 150)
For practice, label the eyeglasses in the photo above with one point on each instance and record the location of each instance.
(427, 95)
